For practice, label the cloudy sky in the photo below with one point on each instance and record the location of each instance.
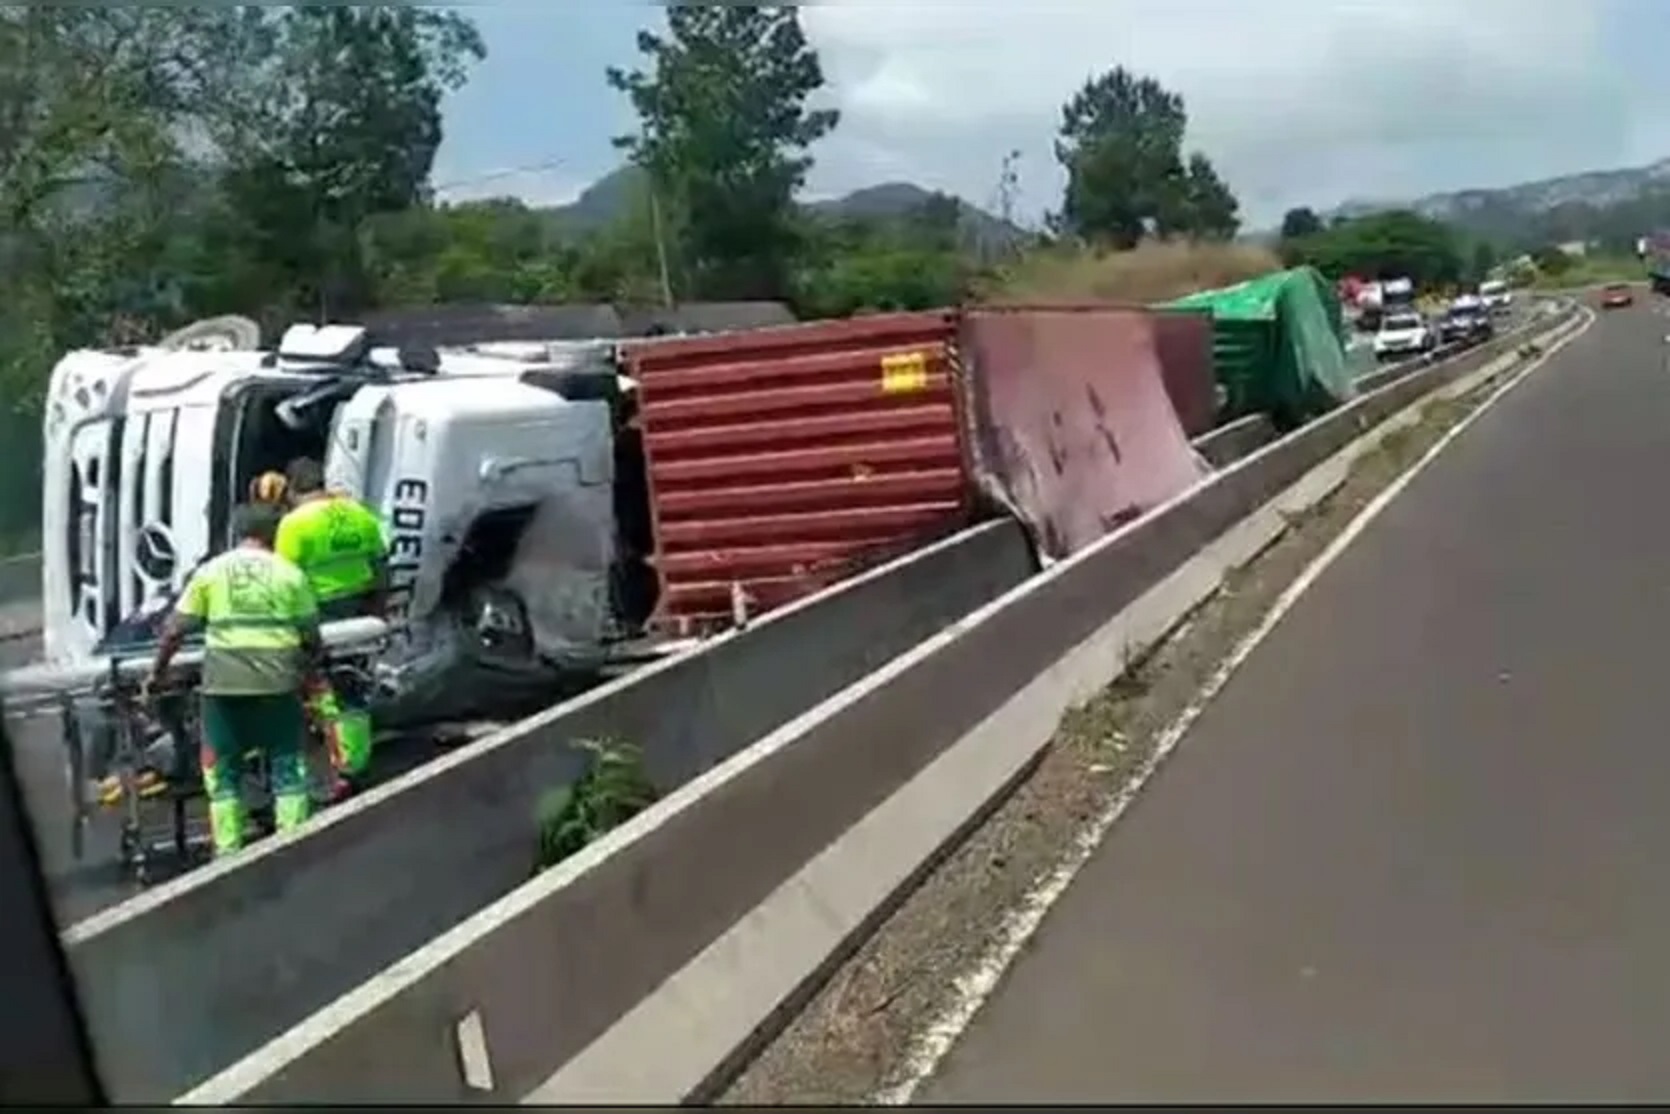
(1297, 101)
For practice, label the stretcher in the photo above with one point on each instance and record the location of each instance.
(138, 756)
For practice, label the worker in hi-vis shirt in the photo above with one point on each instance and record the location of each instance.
(260, 642)
(338, 544)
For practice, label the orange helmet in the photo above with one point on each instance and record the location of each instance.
(270, 488)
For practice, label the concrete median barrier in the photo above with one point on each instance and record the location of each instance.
(648, 965)
(20, 609)
(185, 979)
(1240, 438)
(20, 635)
(20, 579)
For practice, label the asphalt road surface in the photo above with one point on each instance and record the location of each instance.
(1418, 848)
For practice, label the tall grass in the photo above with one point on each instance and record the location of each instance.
(1153, 272)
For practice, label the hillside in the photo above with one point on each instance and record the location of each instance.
(1594, 187)
(609, 197)
(1610, 206)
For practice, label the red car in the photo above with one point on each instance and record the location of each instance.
(1617, 295)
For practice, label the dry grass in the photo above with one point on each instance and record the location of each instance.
(1156, 272)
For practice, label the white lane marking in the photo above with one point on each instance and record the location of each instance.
(972, 989)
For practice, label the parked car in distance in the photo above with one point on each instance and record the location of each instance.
(1402, 334)
(1617, 295)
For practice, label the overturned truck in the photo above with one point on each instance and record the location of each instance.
(557, 507)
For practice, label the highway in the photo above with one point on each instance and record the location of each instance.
(1207, 913)
(1415, 848)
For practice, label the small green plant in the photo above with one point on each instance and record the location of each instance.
(611, 790)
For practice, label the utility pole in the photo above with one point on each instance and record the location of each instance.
(1008, 189)
(660, 247)
(1008, 186)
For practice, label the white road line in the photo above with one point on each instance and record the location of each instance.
(972, 990)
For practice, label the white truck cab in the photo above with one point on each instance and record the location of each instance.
(493, 471)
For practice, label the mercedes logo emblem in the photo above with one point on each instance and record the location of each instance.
(154, 552)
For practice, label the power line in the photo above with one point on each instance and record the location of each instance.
(550, 164)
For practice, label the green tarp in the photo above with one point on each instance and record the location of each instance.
(1278, 345)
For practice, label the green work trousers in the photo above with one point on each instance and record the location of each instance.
(345, 724)
(235, 727)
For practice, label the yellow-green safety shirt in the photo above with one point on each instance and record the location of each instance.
(336, 542)
(254, 607)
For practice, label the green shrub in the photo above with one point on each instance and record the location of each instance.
(612, 789)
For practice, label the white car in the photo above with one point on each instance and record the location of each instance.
(1402, 335)
(1496, 296)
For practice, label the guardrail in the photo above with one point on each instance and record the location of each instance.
(20, 603)
(647, 965)
(20, 581)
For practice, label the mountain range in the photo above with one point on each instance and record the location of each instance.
(610, 198)
(1612, 206)
(1595, 187)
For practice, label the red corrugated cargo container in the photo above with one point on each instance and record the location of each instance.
(1184, 340)
(1072, 418)
(781, 460)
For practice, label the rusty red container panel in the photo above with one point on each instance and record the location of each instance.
(1184, 342)
(1072, 420)
(783, 460)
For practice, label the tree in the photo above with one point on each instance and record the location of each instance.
(94, 101)
(338, 122)
(1550, 260)
(724, 131)
(90, 92)
(937, 222)
(480, 251)
(1484, 260)
(867, 264)
(1299, 223)
(1121, 143)
(1209, 210)
(1397, 244)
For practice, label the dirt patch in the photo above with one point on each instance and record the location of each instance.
(853, 1038)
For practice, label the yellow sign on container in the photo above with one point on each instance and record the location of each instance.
(905, 371)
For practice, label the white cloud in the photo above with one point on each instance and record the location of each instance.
(1298, 101)
(536, 185)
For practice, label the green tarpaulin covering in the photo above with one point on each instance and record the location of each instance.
(1278, 345)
